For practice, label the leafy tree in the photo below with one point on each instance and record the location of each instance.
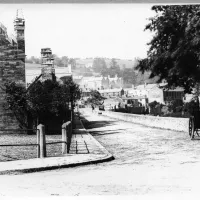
(72, 62)
(95, 98)
(129, 76)
(99, 65)
(114, 68)
(16, 99)
(174, 50)
(64, 60)
(57, 60)
(105, 72)
(44, 100)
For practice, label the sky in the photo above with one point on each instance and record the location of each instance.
(83, 30)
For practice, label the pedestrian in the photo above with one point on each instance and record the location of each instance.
(92, 108)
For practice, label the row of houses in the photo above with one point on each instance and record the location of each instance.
(99, 83)
(145, 93)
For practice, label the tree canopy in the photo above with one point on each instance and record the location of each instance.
(44, 99)
(173, 53)
(95, 98)
(99, 65)
(114, 68)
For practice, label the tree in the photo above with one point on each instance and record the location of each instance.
(72, 62)
(57, 60)
(95, 98)
(114, 68)
(99, 65)
(105, 72)
(173, 52)
(129, 76)
(64, 61)
(43, 101)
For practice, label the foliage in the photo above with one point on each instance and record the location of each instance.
(174, 50)
(16, 99)
(129, 76)
(73, 88)
(99, 65)
(59, 61)
(153, 104)
(175, 106)
(155, 108)
(72, 61)
(114, 68)
(190, 107)
(43, 100)
(95, 98)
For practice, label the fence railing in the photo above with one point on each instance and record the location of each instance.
(41, 139)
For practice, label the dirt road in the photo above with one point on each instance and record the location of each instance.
(147, 161)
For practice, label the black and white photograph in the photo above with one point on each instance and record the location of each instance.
(99, 99)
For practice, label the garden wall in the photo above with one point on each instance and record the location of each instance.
(171, 123)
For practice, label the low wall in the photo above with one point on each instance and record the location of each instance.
(171, 123)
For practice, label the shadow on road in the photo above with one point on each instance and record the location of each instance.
(97, 124)
(107, 132)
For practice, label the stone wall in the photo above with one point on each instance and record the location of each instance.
(171, 123)
(12, 68)
(9, 71)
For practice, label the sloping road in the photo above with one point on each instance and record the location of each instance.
(147, 161)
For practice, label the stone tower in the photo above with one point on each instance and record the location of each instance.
(47, 62)
(12, 68)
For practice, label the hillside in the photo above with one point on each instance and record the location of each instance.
(121, 62)
(86, 71)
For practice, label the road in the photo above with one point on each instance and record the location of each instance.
(147, 161)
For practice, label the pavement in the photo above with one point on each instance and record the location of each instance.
(84, 149)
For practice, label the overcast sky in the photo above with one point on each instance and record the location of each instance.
(83, 30)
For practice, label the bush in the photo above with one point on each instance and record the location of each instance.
(155, 108)
(190, 106)
(175, 106)
(44, 102)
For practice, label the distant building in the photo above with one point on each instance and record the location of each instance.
(111, 92)
(156, 92)
(99, 83)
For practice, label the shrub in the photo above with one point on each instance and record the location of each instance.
(190, 106)
(43, 101)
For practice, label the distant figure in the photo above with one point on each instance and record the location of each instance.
(92, 108)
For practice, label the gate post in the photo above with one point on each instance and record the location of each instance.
(38, 142)
(42, 140)
(64, 138)
(69, 135)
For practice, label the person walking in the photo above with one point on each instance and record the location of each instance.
(92, 108)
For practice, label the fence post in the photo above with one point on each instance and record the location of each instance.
(64, 138)
(69, 131)
(38, 142)
(42, 140)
